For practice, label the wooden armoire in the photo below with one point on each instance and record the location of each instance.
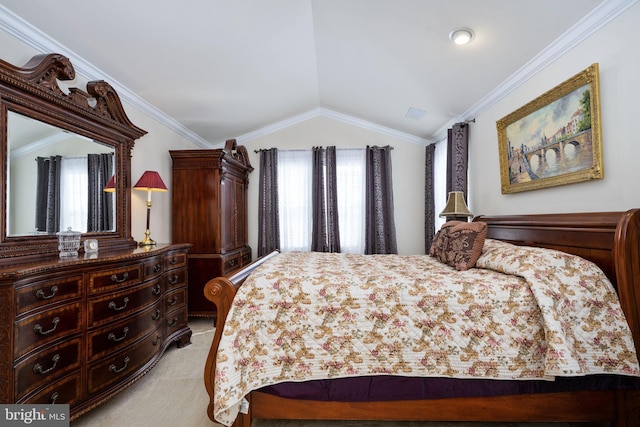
(209, 190)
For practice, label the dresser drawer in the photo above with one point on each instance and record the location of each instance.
(114, 278)
(41, 328)
(175, 279)
(67, 390)
(121, 334)
(174, 300)
(175, 260)
(47, 366)
(153, 267)
(119, 304)
(39, 294)
(115, 368)
(175, 320)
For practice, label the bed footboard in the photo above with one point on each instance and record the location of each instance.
(221, 291)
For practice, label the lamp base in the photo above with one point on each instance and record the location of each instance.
(147, 240)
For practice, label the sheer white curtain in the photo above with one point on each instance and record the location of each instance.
(440, 181)
(74, 195)
(294, 199)
(350, 165)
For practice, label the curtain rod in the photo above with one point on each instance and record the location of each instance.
(71, 157)
(309, 149)
(46, 158)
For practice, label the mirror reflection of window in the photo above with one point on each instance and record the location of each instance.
(69, 194)
(74, 197)
(29, 139)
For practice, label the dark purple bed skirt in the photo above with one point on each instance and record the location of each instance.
(388, 388)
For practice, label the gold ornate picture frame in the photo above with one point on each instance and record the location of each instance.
(555, 139)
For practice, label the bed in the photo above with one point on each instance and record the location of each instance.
(609, 240)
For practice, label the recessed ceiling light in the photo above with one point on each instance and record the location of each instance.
(462, 35)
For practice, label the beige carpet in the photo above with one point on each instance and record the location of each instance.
(172, 394)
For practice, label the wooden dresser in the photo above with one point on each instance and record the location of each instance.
(77, 330)
(209, 192)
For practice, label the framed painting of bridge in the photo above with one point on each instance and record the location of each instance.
(554, 139)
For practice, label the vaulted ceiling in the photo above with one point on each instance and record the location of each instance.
(225, 68)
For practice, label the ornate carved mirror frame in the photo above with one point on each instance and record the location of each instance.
(97, 114)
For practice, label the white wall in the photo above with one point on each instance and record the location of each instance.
(407, 163)
(615, 48)
(151, 152)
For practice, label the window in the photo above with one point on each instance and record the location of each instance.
(294, 195)
(294, 199)
(440, 181)
(350, 170)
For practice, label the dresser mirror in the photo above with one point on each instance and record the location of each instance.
(60, 147)
(36, 148)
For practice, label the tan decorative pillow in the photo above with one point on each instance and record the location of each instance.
(459, 244)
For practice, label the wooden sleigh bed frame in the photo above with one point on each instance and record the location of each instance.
(610, 239)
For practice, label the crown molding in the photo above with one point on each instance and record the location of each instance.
(28, 34)
(590, 24)
(324, 112)
(373, 127)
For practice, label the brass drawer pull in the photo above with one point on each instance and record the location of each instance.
(40, 293)
(172, 322)
(54, 397)
(173, 280)
(112, 336)
(173, 260)
(173, 300)
(156, 341)
(156, 289)
(157, 268)
(115, 279)
(112, 305)
(37, 368)
(156, 315)
(232, 263)
(38, 328)
(112, 367)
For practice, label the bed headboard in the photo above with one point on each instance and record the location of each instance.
(609, 239)
(589, 235)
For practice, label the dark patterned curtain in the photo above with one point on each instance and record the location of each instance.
(100, 209)
(429, 203)
(48, 194)
(325, 235)
(333, 229)
(457, 157)
(318, 205)
(380, 229)
(268, 215)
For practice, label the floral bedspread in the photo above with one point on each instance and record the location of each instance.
(523, 313)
